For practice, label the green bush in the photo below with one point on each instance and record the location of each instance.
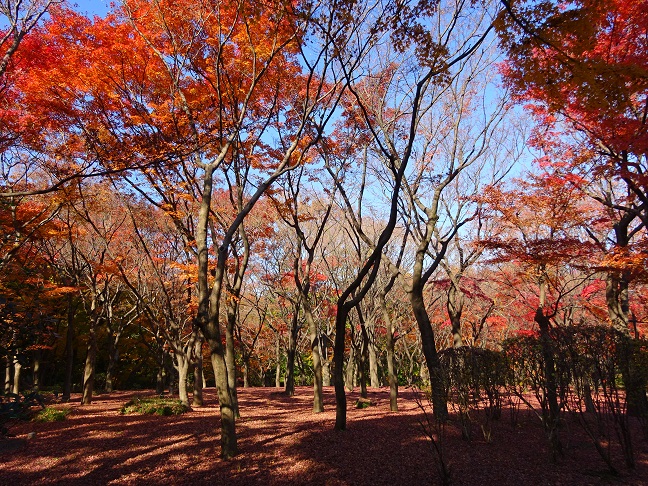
(50, 414)
(154, 406)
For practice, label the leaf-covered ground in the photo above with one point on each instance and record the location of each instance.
(283, 442)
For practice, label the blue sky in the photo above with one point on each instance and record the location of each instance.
(92, 7)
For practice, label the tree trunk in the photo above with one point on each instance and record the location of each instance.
(16, 375)
(439, 404)
(69, 352)
(552, 421)
(338, 365)
(160, 382)
(455, 309)
(291, 351)
(350, 369)
(363, 360)
(617, 300)
(229, 446)
(230, 356)
(89, 369)
(246, 382)
(7, 383)
(182, 367)
(208, 314)
(113, 356)
(373, 364)
(199, 377)
(616, 295)
(313, 333)
(36, 369)
(326, 365)
(278, 366)
(391, 362)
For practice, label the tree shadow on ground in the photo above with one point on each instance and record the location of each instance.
(282, 442)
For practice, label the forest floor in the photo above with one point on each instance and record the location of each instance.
(282, 442)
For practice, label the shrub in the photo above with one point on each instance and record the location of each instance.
(154, 406)
(473, 378)
(50, 414)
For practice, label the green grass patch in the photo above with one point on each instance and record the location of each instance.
(50, 414)
(154, 406)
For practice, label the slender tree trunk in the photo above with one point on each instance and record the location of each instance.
(313, 332)
(17, 367)
(69, 351)
(361, 376)
(36, 369)
(439, 404)
(338, 367)
(113, 356)
(373, 364)
(160, 382)
(552, 421)
(246, 382)
(182, 367)
(424, 372)
(617, 300)
(7, 383)
(363, 359)
(291, 351)
(391, 362)
(278, 366)
(229, 446)
(455, 309)
(326, 364)
(616, 289)
(209, 305)
(350, 369)
(326, 373)
(230, 355)
(199, 377)
(89, 369)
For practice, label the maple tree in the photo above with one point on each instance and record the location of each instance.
(184, 107)
(21, 17)
(413, 133)
(277, 179)
(30, 297)
(96, 237)
(307, 215)
(162, 282)
(581, 67)
(541, 229)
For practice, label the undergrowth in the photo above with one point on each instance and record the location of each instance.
(50, 414)
(154, 406)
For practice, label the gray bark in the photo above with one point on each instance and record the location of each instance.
(293, 333)
(455, 306)
(318, 378)
(391, 362)
(373, 364)
(350, 370)
(182, 367)
(278, 365)
(89, 369)
(199, 376)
